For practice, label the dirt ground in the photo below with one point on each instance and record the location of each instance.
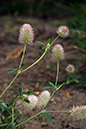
(38, 76)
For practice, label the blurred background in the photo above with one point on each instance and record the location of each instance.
(55, 8)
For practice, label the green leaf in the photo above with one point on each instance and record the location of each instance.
(1, 125)
(47, 87)
(48, 41)
(44, 115)
(43, 47)
(23, 67)
(55, 89)
(20, 90)
(27, 101)
(51, 84)
(49, 117)
(9, 107)
(28, 92)
(44, 42)
(68, 79)
(75, 79)
(75, 70)
(40, 42)
(11, 70)
(2, 108)
(44, 124)
(13, 126)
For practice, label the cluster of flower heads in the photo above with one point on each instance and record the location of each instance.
(35, 102)
(26, 35)
(78, 112)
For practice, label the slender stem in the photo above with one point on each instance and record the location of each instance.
(54, 41)
(55, 85)
(28, 119)
(60, 86)
(40, 57)
(12, 115)
(22, 56)
(57, 73)
(59, 111)
(48, 100)
(16, 74)
(34, 62)
(9, 85)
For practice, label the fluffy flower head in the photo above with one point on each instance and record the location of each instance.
(63, 31)
(26, 35)
(58, 53)
(33, 101)
(78, 112)
(27, 107)
(43, 98)
(70, 68)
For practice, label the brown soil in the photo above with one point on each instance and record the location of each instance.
(65, 98)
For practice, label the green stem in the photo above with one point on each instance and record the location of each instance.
(22, 56)
(55, 85)
(57, 73)
(60, 86)
(16, 74)
(34, 63)
(40, 57)
(54, 41)
(12, 115)
(59, 111)
(48, 100)
(9, 85)
(28, 119)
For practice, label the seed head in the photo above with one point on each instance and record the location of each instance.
(70, 68)
(58, 53)
(43, 98)
(78, 112)
(63, 31)
(26, 35)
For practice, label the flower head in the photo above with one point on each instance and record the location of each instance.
(78, 112)
(26, 35)
(33, 101)
(70, 68)
(58, 53)
(26, 107)
(43, 98)
(63, 31)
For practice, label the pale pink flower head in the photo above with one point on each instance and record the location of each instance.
(33, 101)
(63, 31)
(43, 98)
(78, 112)
(58, 53)
(27, 107)
(26, 35)
(70, 68)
